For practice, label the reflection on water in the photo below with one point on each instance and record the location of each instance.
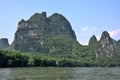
(46, 73)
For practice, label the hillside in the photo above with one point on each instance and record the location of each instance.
(46, 35)
(54, 37)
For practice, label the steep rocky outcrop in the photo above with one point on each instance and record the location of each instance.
(92, 41)
(59, 25)
(44, 34)
(117, 49)
(54, 35)
(4, 43)
(106, 46)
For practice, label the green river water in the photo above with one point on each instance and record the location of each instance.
(59, 73)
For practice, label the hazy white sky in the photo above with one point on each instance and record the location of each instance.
(87, 17)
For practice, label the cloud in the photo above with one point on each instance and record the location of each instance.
(114, 33)
(84, 28)
(83, 42)
(88, 28)
(98, 37)
(85, 33)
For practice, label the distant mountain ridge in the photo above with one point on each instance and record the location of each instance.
(54, 36)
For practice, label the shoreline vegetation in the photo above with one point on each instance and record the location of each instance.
(50, 41)
(19, 59)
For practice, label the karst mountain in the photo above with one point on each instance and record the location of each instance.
(53, 35)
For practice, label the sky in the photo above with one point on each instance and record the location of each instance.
(87, 17)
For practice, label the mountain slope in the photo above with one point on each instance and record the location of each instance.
(4, 43)
(106, 46)
(54, 36)
(44, 34)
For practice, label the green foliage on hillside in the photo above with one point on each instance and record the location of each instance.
(13, 59)
(50, 41)
(117, 50)
(59, 45)
(17, 59)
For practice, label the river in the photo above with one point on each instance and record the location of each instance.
(59, 73)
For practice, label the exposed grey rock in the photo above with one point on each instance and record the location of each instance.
(4, 43)
(106, 46)
(34, 34)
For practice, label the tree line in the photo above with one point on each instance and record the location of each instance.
(18, 59)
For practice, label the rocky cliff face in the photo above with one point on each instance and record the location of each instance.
(4, 43)
(59, 25)
(43, 34)
(106, 46)
(93, 40)
(54, 35)
(117, 49)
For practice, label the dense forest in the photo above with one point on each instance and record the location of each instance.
(17, 59)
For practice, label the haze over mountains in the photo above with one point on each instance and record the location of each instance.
(54, 35)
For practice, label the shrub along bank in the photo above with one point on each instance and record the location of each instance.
(18, 59)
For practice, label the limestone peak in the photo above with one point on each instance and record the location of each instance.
(93, 40)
